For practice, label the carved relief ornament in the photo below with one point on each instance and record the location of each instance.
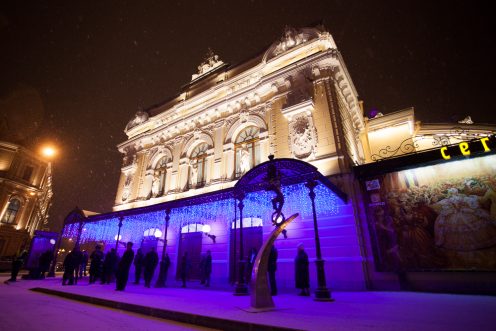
(302, 131)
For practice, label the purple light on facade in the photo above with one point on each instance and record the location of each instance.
(257, 204)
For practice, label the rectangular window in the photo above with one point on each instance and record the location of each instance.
(28, 171)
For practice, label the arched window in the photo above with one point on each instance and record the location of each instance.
(160, 173)
(197, 165)
(194, 227)
(247, 150)
(11, 212)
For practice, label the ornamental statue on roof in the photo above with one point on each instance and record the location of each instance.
(141, 116)
(290, 39)
(211, 62)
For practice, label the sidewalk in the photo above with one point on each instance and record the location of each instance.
(349, 311)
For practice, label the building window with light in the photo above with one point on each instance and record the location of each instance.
(12, 209)
(198, 160)
(247, 150)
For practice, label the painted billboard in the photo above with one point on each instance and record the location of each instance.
(438, 217)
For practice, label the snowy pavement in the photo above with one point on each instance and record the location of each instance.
(351, 310)
(24, 310)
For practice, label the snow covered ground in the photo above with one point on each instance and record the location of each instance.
(24, 310)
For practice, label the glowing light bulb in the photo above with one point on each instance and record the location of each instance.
(206, 228)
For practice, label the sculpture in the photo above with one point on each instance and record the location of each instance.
(155, 185)
(261, 299)
(244, 162)
(193, 177)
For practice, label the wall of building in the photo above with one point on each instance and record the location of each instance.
(31, 189)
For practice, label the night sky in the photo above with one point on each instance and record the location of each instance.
(74, 73)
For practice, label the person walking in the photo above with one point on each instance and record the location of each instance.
(17, 262)
(77, 259)
(45, 260)
(203, 260)
(96, 264)
(250, 261)
(272, 267)
(138, 265)
(164, 266)
(69, 267)
(185, 266)
(84, 264)
(109, 266)
(302, 274)
(150, 263)
(123, 267)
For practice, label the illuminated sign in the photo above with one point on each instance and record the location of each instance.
(465, 147)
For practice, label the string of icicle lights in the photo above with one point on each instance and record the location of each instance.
(256, 204)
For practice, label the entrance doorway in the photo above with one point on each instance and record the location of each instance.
(192, 243)
(252, 238)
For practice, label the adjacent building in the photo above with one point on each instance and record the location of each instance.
(25, 197)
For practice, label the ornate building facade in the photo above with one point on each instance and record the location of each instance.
(25, 196)
(295, 100)
(388, 183)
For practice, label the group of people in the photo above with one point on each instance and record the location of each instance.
(302, 274)
(146, 264)
(205, 268)
(109, 267)
(75, 264)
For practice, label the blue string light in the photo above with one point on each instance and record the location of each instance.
(257, 204)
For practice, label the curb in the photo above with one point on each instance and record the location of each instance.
(201, 320)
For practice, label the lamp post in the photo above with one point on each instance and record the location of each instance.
(241, 288)
(118, 237)
(322, 293)
(49, 152)
(51, 272)
(163, 264)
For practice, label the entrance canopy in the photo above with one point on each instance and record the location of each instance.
(291, 172)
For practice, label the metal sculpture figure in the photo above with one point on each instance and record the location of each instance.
(274, 179)
(261, 299)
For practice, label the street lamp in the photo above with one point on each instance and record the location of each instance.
(48, 153)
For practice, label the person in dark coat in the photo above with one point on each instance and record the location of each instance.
(78, 257)
(250, 261)
(138, 265)
(109, 266)
(207, 268)
(69, 267)
(185, 266)
(45, 260)
(302, 274)
(164, 266)
(96, 264)
(271, 268)
(123, 267)
(84, 264)
(17, 263)
(203, 260)
(150, 263)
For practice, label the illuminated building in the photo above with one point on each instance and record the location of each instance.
(25, 197)
(296, 100)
